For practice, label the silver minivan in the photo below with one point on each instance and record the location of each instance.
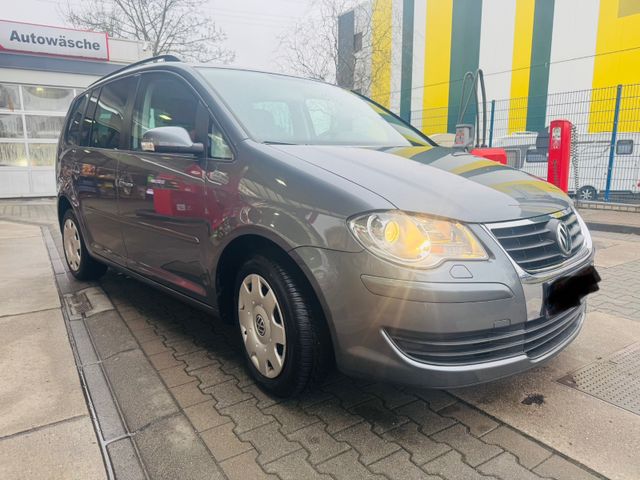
(321, 225)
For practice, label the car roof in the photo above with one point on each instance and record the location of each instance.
(163, 60)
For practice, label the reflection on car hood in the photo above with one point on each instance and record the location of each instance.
(438, 181)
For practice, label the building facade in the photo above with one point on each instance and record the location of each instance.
(41, 70)
(420, 50)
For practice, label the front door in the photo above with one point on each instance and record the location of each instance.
(162, 196)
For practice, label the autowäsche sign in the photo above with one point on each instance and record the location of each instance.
(40, 39)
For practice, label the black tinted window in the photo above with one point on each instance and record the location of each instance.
(163, 101)
(87, 121)
(75, 119)
(108, 124)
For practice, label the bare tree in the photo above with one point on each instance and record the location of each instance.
(310, 48)
(180, 27)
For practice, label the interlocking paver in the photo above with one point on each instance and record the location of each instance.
(290, 417)
(380, 417)
(245, 466)
(561, 469)
(196, 360)
(528, 452)
(437, 399)
(211, 375)
(189, 394)
(223, 442)
(451, 467)
(474, 451)
(347, 467)
(334, 416)
(429, 421)
(154, 346)
(370, 446)
(320, 445)
(175, 376)
(477, 422)
(228, 393)
(246, 416)
(348, 393)
(204, 416)
(295, 466)
(506, 465)
(398, 466)
(391, 396)
(269, 442)
(164, 360)
(421, 447)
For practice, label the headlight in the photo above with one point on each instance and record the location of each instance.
(415, 240)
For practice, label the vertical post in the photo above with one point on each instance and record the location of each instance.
(612, 147)
(493, 111)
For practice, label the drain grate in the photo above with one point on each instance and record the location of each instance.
(77, 303)
(615, 379)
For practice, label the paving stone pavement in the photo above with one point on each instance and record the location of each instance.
(191, 411)
(345, 429)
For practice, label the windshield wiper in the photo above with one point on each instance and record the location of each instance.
(270, 142)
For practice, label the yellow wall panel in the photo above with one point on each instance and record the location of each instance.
(616, 62)
(437, 64)
(522, 41)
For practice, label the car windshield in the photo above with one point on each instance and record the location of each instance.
(287, 110)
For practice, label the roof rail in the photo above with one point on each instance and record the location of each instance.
(165, 58)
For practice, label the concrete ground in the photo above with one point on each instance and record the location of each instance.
(45, 428)
(173, 399)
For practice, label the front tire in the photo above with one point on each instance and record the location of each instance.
(80, 263)
(282, 334)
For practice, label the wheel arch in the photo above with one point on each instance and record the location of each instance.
(239, 249)
(63, 205)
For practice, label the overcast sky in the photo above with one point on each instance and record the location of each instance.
(252, 26)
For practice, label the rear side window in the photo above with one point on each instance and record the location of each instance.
(75, 120)
(108, 123)
(87, 121)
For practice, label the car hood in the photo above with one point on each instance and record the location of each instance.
(438, 181)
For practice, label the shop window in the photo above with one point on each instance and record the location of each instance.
(13, 155)
(9, 97)
(164, 101)
(41, 126)
(51, 99)
(42, 154)
(11, 126)
(108, 122)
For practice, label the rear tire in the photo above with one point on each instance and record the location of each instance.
(587, 193)
(283, 336)
(80, 263)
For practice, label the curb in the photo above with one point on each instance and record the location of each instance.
(613, 228)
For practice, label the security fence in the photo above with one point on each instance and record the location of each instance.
(605, 160)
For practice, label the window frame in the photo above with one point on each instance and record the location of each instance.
(204, 118)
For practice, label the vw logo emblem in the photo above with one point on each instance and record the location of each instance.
(563, 237)
(260, 326)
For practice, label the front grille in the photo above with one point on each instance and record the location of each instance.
(532, 243)
(534, 338)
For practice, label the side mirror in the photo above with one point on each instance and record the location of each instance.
(170, 140)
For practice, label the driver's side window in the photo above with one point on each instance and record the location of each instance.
(163, 101)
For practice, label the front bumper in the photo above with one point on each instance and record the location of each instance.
(460, 324)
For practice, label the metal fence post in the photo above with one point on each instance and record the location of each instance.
(612, 147)
(493, 111)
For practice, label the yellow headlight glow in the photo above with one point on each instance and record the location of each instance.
(416, 240)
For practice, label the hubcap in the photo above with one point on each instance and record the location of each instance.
(262, 326)
(72, 245)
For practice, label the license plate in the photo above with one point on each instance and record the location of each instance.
(567, 292)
